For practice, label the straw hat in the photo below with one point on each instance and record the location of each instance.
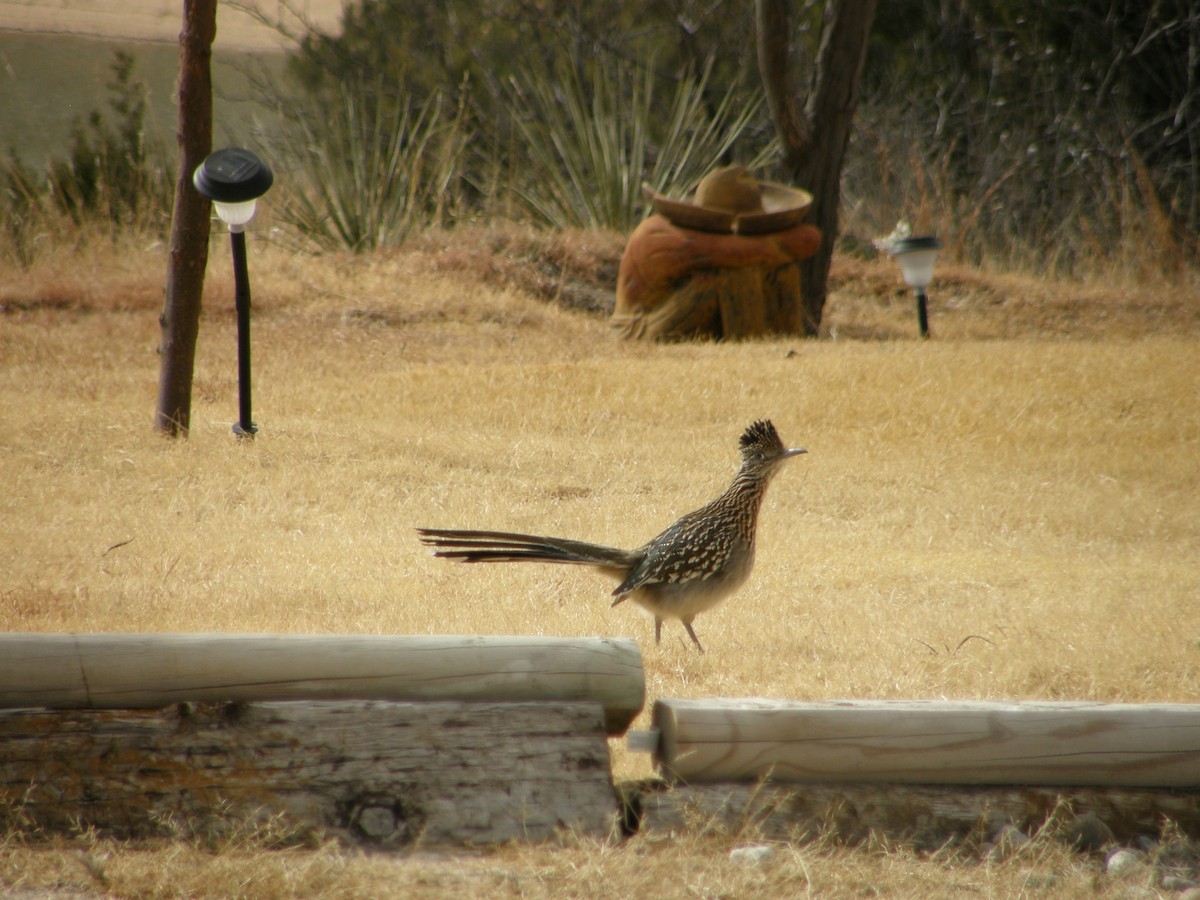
(731, 201)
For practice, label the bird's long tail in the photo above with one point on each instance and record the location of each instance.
(505, 546)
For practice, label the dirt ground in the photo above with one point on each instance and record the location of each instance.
(159, 20)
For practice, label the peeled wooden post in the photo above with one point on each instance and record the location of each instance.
(930, 742)
(127, 671)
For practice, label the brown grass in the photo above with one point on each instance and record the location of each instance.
(678, 866)
(1007, 511)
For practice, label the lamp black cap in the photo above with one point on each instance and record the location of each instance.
(907, 245)
(232, 175)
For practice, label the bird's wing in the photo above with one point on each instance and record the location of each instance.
(666, 561)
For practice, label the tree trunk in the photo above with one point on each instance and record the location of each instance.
(180, 319)
(814, 139)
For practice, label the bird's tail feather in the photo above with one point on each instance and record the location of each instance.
(506, 546)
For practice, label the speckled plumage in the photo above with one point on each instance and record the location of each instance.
(690, 567)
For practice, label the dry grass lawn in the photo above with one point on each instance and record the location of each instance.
(1010, 510)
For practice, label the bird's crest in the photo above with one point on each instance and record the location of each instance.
(761, 439)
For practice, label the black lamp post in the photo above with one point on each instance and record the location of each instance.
(916, 257)
(233, 179)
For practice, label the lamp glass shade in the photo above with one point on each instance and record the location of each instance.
(233, 214)
(916, 257)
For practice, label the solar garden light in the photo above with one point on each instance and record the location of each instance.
(916, 256)
(233, 179)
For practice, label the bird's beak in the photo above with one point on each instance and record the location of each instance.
(795, 451)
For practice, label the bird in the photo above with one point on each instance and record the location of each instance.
(689, 568)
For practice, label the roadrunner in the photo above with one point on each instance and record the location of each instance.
(689, 568)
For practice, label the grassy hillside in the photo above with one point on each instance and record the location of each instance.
(1006, 511)
(51, 83)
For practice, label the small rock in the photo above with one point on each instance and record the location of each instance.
(1122, 862)
(1039, 881)
(754, 854)
(1179, 883)
(1007, 841)
(376, 822)
(1089, 833)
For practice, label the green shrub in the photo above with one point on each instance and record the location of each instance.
(20, 205)
(112, 181)
(111, 172)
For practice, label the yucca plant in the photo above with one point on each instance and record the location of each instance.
(593, 137)
(371, 169)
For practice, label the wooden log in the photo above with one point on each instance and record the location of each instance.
(930, 742)
(380, 773)
(928, 815)
(119, 671)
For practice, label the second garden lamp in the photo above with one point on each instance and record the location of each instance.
(916, 256)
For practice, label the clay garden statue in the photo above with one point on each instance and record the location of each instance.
(720, 265)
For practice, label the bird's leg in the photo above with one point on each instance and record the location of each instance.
(687, 623)
(657, 630)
